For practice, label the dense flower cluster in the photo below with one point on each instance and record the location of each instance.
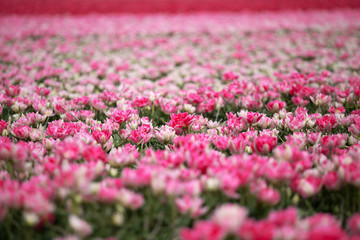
(242, 126)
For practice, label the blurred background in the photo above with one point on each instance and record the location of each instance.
(167, 6)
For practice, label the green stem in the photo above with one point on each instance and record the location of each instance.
(308, 204)
(10, 168)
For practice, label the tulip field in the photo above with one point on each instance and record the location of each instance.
(202, 126)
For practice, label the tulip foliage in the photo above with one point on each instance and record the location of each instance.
(204, 126)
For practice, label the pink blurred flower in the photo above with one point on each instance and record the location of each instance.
(229, 216)
(81, 227)
(275, 106)
(12, 91)
(320, 99)
(191, 205)
(251, 230)
(230, 76)
(309, 186)
(353, 224)
(3, 126)
(130, 199)
(203, 230)
(269, 195)
(165, 134)
(264, 144)
(141, 102)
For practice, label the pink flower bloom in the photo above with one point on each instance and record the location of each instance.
(320, 99)
(287, 216)
(314, 137)
(338, 110)
(68, 149)
(141, 102)
(59, 105)
(326, 123)
(136, 177)
(230, 182)
(326, 233)
(299, 101)
(323, 226)
(252, 104)
(94, 154)
(353, 224)
(98, 104)
(237, 144)
(356, 112)
(354, 129)
(251, 230)
(295, 123)
(191, 205)
(17, 153)
(234, 123)
(331, 180)
(230, 76)
(173, 187)
(333, 141)
(81, 227)
(227, 95)
(298, 139)
(108, 96)
(22, 132)
(3, 126)
(139, 137)
(12, 91)
(194, 98)
(37, 135)
(252, 117)
(180, 122)
(351, 172)
(101, 136)
(123, 156)
(86, 114)
(280, 171)
(48, 143)
(5, 151)
(275, 106)
(168, 107)
(264, 144)
(230, 217)
(165, 134)
(42, 91)
(130, 199)
(269, 195)
(309, 186)
(203, 230)
(108, 195)
(193, 187)
(221, 142)
(120, 116)
(285, 232)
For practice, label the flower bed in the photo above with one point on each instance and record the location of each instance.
(222, 126)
